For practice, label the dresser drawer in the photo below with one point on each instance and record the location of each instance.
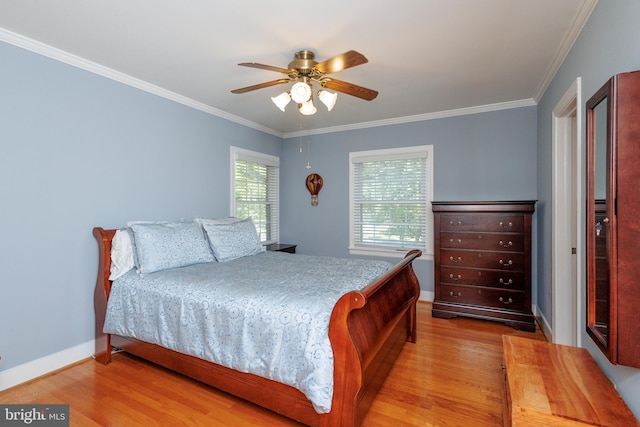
(482, 222)
(485, 241)
(488, 278)
(511, 261)
(488, 297)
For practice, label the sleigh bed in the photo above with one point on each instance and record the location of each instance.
(367, 329)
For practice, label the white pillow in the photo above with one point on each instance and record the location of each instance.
(121, 254)
(233, 240)
(218, 221)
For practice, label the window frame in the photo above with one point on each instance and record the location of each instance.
(413, 152)
(270, 161)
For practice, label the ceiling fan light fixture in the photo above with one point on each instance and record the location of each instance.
(301, 74)
(307, 108)
(328, 98)
(301, 92)
(281, 100)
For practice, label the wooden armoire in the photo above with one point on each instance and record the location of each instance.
(613, 218)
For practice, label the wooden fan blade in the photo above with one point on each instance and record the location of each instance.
(350, 89)
(267, 67)
(260, 86)
(341, 62)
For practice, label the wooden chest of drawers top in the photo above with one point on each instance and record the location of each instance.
(508, 207)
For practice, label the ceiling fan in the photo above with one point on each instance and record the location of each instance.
(305, 70)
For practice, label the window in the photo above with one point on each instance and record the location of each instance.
(390, 196)
(254, 191)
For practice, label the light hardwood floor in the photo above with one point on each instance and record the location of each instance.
(451, 377)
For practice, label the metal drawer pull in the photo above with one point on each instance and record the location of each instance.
(455, 259)
(459, 294)
(507, 245)
(455, 223)
(509, 224)
(506, 263)
(458, 277)
(509, 282)
(509, 301)
(455, 241)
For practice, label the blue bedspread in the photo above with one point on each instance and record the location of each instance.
(266, 314)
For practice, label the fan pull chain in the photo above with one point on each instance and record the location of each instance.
(300, 132)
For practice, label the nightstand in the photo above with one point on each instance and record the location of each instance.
(282, 247)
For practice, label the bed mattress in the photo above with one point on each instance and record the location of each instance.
(266, 314)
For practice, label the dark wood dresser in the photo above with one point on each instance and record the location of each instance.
(482, 261)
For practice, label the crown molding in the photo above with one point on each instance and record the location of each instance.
(93, 67)
(573, 32)
(417, 118)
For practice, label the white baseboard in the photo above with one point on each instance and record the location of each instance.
(44, 365)
(543, 322)
(426, 296)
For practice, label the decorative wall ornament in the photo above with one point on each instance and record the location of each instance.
(314, 185)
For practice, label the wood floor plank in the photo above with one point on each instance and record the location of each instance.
(452, 376)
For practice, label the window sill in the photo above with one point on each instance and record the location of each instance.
(388, 253)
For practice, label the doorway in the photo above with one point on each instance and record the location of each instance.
(566, 222)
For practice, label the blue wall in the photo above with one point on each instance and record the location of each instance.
(78, 151)
(485, 156)
(607, 45)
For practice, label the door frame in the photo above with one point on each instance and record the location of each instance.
(567, 222)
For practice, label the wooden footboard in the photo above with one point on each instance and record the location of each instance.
(367, 330)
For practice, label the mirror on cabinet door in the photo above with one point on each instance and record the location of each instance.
(613, 219)
(598, 320)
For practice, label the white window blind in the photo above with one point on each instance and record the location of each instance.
(255, 191)
(391, 193)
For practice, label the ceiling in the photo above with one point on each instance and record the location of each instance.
(427, 58)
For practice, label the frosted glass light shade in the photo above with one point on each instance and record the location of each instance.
(301, 92)
(307, 108)
(328, 98)
(281, 100)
